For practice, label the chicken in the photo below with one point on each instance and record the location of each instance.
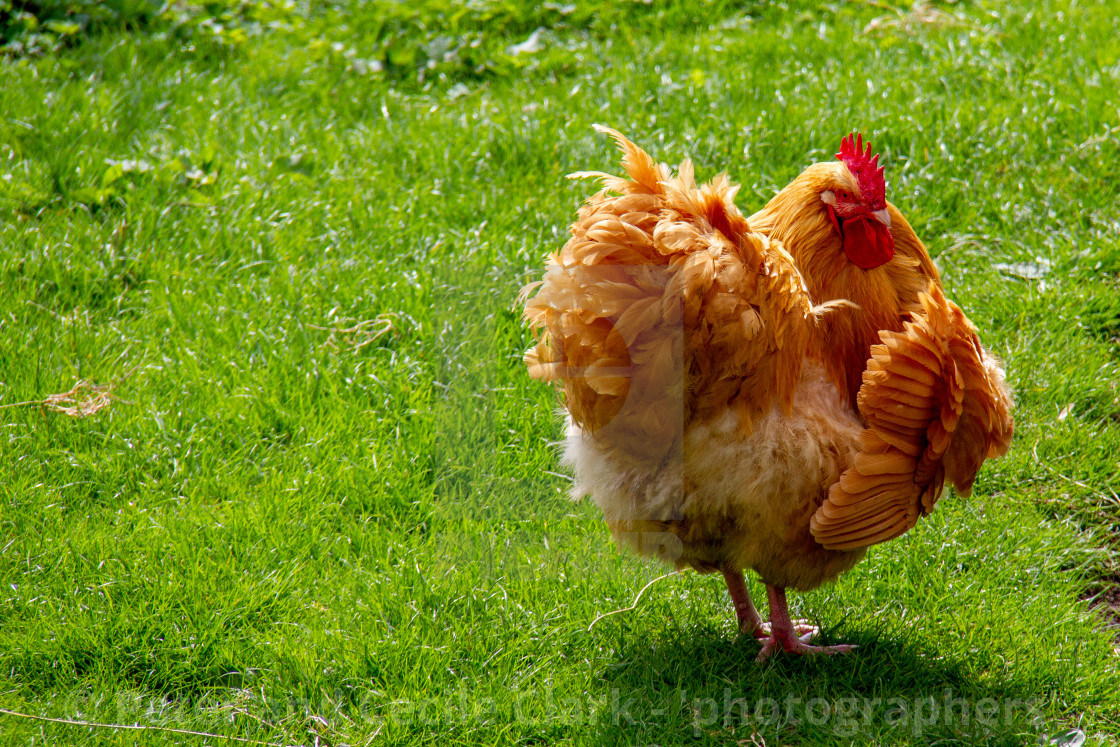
(774, 393)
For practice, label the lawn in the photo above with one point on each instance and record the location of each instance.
(308, 494)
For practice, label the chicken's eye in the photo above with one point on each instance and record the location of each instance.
(844, 196)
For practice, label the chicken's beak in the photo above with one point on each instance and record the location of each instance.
(883, 217)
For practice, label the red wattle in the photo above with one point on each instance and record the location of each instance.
(867, 242)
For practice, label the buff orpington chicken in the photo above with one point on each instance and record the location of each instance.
(774, 393)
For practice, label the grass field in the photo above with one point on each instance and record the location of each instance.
(321, 500)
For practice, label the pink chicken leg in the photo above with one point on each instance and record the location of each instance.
(791, 636)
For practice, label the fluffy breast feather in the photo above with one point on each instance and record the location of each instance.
(726, 498)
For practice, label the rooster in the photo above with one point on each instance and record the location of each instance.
(774, 393)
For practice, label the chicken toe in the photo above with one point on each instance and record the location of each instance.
(791, 636)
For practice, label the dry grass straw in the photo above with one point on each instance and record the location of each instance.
(82, 400)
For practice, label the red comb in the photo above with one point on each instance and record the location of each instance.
(866, 169)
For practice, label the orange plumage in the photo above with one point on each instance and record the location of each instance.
(775, 393)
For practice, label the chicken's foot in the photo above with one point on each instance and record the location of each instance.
(750, 621)
(788, 635)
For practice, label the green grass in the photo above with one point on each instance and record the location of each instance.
(325, 500)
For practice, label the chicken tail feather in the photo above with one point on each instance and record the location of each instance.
(663, 307)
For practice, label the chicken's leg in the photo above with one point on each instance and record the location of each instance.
(788, 637)
(750, 622)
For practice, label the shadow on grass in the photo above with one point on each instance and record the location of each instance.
(700, 686)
